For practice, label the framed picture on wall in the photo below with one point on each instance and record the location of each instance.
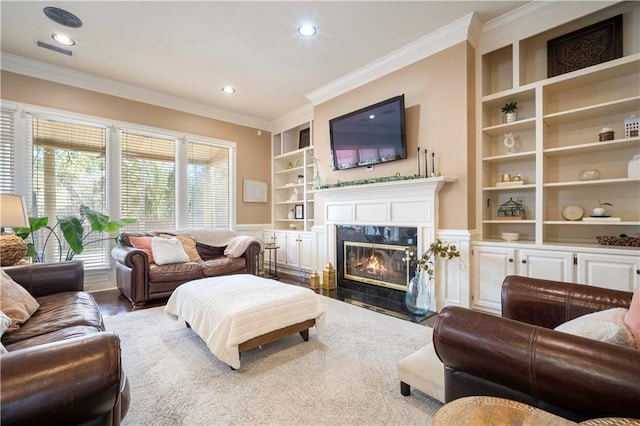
(299, 211)
(254, 191)
(305, 138)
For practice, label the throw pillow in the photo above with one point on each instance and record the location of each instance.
(606, 326)
(168, 250)
(5, 321)
(188, 244)
(632, 318)
(15, 301)
(143, 243)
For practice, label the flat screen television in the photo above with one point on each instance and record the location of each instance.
(371, 135)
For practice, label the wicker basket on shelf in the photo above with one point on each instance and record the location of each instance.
(620, 240)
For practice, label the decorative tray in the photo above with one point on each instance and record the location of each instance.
(616, 240)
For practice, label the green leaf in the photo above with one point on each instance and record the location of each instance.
(113, 226)
(98, 221)
(72, 230)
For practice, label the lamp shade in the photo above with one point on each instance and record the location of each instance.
(13, 212)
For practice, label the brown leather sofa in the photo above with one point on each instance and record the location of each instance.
(142, 282)
(520, 357)
(61, 367)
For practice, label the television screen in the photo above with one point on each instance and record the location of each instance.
(371, 135)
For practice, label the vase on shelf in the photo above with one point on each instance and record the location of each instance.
(418, 296)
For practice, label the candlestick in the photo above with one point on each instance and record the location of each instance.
(418, 160)
(433, 164)
(426, 162)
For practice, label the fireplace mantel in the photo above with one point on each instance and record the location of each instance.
(406, 202)
(412, 202)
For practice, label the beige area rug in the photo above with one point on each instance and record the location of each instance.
(345, 376)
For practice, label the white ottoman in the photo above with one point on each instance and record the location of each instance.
(424, 371)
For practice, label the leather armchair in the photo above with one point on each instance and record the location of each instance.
(520, 357)
(63, 367)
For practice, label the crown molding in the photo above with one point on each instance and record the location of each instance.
(292, 119)
(533, 18)
(37, 69)
(415, 51)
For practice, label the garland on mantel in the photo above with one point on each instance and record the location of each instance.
(394, 178)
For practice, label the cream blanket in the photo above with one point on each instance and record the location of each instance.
(238, 245)
(228, 310)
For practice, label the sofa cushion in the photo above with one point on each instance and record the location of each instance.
(143, 243)
(54, 336)
(59, 311)
(188, 244)
(223, 265)
(606, 326)
(15, 302)
(168, 250)
(175, 272)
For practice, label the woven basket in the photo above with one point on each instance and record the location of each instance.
(12, 249)
(619, 241)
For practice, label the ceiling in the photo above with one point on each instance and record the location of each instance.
(190, 50)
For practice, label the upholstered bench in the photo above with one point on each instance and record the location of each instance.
(424, 371)
(235, 313)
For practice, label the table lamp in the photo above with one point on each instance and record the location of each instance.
(13, 213)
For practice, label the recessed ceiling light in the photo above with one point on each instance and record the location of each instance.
(228, 89)
(307, 30)
(63, 39)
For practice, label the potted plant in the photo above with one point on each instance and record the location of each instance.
(418, 294)
(509, 110)
(72, 230)
(300, 178)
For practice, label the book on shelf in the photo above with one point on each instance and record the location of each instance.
(601, 219)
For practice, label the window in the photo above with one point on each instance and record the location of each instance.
(149, 181)
(166, 180)
(208, 185)
(7, 164)
(68, 170)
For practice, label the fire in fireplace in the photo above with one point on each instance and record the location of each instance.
(377, 264)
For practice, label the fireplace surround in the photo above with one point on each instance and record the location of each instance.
(405, 211)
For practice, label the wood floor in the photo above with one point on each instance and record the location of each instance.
(111, 302)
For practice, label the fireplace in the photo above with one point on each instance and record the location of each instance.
(371, 267)
(401, 213)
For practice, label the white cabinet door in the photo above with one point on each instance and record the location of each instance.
(491, 266)
(547, 265)
(305, 253)
(281, 241)
(608, 270)
(292, 242)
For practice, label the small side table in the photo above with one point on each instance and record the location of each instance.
(273, 263)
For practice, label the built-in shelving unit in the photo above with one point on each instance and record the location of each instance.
(556, 137)
(293, 172)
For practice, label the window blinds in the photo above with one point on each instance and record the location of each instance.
(208, 184)
(69, 170)
(148, 181)
(7, 163)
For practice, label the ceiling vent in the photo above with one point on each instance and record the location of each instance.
(62, 17)
(55, 48)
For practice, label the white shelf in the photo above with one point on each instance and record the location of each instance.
(516, 126)
(593, 111)
(505, 158)
(598, 182)
(528, 186)
(593, 147)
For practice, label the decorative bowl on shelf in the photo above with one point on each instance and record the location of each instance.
(510, 236)
(590, 174)
(621, 240)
